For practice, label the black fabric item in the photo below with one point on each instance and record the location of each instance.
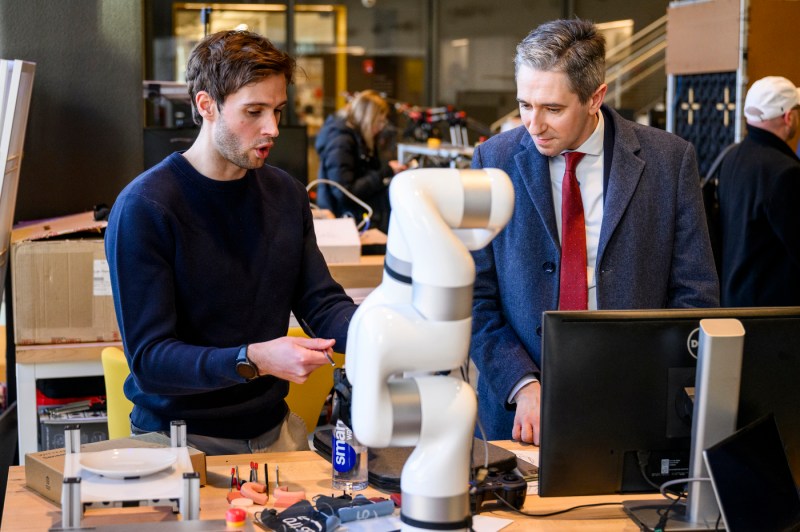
(299, 515)
(101, 211)
(71, 387)
(385, 465)
(342, 394)
(331, 505)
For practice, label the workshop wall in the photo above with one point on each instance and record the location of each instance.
(84, 135)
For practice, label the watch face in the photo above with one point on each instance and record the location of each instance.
(244, 367)
(246, 370)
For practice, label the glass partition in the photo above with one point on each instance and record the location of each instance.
(319, 39)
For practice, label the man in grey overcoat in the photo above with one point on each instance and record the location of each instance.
(646, 240)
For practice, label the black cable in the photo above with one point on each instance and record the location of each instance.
(557, 512)
(662, 522)
(644, 457)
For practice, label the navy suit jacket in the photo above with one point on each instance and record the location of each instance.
(654, 250)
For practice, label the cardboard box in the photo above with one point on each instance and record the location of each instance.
(60, 282)
(94, 428)
(44, 471)
(338, 240)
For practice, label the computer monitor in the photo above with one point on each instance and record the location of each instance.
(290, 152)
(617, 386)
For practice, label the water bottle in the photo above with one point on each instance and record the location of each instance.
(349, 460)
(348, 456)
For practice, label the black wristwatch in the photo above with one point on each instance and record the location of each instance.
(244, 367)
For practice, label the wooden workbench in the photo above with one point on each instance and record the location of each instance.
(25, 510)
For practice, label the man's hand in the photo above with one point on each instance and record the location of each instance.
(290, 358)
(526, 420)
(397, 166)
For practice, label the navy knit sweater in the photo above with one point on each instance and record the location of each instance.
(201, 267)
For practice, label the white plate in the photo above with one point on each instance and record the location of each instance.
(127, 463)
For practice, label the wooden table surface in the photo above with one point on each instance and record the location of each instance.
(25, 510)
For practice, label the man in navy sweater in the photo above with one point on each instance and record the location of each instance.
(209, 252)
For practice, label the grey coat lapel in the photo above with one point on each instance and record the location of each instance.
(626, 170)
(534, 169)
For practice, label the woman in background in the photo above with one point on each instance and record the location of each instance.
(348, 156)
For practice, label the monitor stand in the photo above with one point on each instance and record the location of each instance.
(719, 369)
(647, 514)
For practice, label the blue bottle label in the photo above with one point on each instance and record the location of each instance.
(344, 456)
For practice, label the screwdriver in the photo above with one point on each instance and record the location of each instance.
(310, 333)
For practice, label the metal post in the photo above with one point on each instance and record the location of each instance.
(72, 439)
(190, 502)
(568, 9)
(432, 53)
(741, 71)
(671, 126)
(177, 433)
(205, 18)
(71, 503)
(291, 90)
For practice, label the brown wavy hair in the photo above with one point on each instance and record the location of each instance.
(224, 62)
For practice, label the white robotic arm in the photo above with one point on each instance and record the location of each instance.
(418, 321)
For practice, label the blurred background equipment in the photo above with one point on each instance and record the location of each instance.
(362, 224)
(437, 136)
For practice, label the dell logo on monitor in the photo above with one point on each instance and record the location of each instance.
(693, 342)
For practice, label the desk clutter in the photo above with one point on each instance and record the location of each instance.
(326, 513)
(53, 422)
(290, 506)
(90, 413)
(71, 401)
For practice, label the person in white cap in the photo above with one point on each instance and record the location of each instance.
(759, 196)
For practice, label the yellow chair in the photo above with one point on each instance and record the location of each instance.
(307, 399)
(115, 370)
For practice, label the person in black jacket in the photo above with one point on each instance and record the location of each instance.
(348, 156)
(759, 197)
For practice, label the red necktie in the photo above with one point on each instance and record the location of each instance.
(573, 292)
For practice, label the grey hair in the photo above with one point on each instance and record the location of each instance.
(571, 46)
